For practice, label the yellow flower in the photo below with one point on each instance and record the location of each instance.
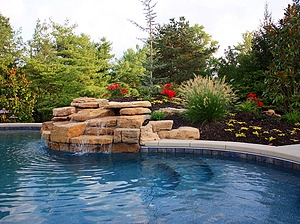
(265, 132)
(241, 122)
(297, 124)
(294, 140)
(281, 134)
(255, 127)
(232, 114)
(229, 124)
(256, 133)
(297, 129)
(292, 132)
(276, 130)
(244, 128)
(233, 121)
(229, 130)
(270, 139)
(240, 135)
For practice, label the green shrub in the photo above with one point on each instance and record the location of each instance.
(158, 115)
(292, 117)
(207, 98)
(16, 97)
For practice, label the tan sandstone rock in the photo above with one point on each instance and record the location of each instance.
(63, 111)
(147, 134)
(161, 125)
(169, 111)
(85, 102)
(110, 121)
(135, 111)
(85, 148)
(99, 131)
(120, 147)
(47, 126)
(92, 140)
(120, 105)
(127, 135)
(91, 114)
(63, 132)
(180, 133)
(53, 145)
(135, 121)
(46, 134)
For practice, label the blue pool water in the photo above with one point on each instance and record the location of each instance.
(43, 186)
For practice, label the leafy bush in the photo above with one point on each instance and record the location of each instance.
(207, 98)
(158, 115)
(292, 117)
(16, 97)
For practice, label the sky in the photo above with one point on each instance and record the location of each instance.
(225, 20)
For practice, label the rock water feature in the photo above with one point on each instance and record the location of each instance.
(97, 125)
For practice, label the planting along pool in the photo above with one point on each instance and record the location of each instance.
(39, 185)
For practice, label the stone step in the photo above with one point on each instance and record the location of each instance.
(93, 140)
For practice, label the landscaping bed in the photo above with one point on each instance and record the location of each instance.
(236, 126)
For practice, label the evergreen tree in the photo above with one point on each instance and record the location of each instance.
(10, 47)
(63, 66)
(129, 69)
(183, 50)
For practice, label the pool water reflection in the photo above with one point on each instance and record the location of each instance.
(39, 185)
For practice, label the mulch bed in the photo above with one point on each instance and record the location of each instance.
(237, 126)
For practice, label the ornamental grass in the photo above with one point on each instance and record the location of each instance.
(207, 99)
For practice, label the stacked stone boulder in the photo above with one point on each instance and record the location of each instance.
(93, 125)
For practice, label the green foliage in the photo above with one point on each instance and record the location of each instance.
(291, 117)
(10, 47)
(183, 50)
(158, 115)
(207, 99)
(283, 78)
(242, 68)
(63, 66)
(16, 97)
(129, 69)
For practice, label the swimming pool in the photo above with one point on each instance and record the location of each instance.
(44, 186)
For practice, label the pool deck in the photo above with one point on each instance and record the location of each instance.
(287, 152)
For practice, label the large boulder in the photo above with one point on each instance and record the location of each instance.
(89, 114)
(135, 121)
(92, 140)
(119, 105)
(180, 133)
(63, 111)
(161, 125)
(86, 102)
(127, 135)
(135, 111)
(110, 121)
(120, 147)
(147, 134)
(63, 132)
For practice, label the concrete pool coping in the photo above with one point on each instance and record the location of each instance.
(20, 126)
(287, 152)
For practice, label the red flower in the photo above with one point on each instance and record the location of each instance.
(105, 94)
(259, 104)
(122, 93)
